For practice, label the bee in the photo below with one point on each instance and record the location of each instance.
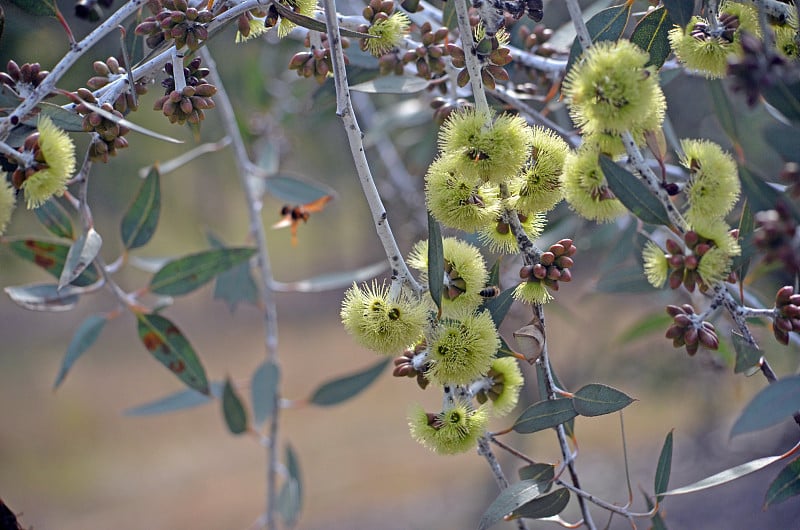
(291, 215)
(490, 291)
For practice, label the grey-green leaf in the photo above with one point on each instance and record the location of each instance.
(539, 472)
(43, 297)
(233, 410)
(595, 400)
(140, 221)
(55, 219)
(680, 11)
(82, 340)
(264, 389)
(664, 467)
(394, 84)
(290, 498)
(723, 477)
(545, 414)
(785, 485)
(650, 34)
(544, 506)
(344, 388)
(184, 399)
(633, 193)
(235, 284)
(511, 498)
(498, 306)
(80, 255)
(188, 273)
(606, 25)
(748, 356)
(294, 189)
(36, 7)
(435, 261)
(772, 405)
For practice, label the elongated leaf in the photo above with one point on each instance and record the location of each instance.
(169, 346)
(724, 110)
(290, 498)
(747, 224)
(344, 388)
(772, 405)
(333, 280)
(545, 506)
(129, 124)
(595, 400)
(726, 476)
(184, 399)
(782, 139)
(51, 257)
(36, 7)
(784, 97)
(664, 467)
(633, 193)
(233, 409)
(55, 219)
(545, 414)
(650, 34)
(82, 340)
(235, 284)
(395, 84)
(67, 120)
(81, 254)
(435, 261)
(511, 498)
(628, 279)
(539, 472)
(607, 24)
(43, 297)
(680, 11)
(188, 273)
(747, 355)
(498, 306)
(294, 189)
(140, 221)
(785, 485)
(264, 389)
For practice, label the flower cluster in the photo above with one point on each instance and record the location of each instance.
(386, 26)
(552, 266)
(688, 330)
(22, 79)
(175, 20)
(187, 104)
(110, 133)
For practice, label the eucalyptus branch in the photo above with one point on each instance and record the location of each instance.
(768, 35)
(582, 494)
(355, 138)
(471, 56)
(266, 293)
(485, 450)
(584, 37)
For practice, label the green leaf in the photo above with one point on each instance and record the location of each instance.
(235, 284)
(80, 255)
(43, 297)
(181, 400)
(51, 257)
(628, 279)
(341, 389)
(140, 221)
(747, 355)
(724, 110)
(680, 11)
(82, 340)
(188, 273)
(290, 498)
(233, 410)
(395, 84)
(664, 467)
(55, 219)
(294, 189)
(539, 472)
(511, 498)
(784, 98)
(264, 390)
(647, 325)
(747, 222)
(726, 476)
(772, 405)
(494, 273)
(785, 485)
(498, 306)
(435, 261)
(595, 400)
(633, 193)
(545, 506)
(606, 25)
(782, 139)
(64, 119)
(650, 34)
(36, 7)
(169, 346)
(760, 195)
(544, 415)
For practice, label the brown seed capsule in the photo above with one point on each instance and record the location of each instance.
(547, 258)
(673, 310)
(525, 272)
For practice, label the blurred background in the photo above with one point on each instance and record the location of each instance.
(71, 460)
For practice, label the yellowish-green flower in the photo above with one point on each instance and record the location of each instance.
(713, 187)
(461, 350)
(656, 267)
(452, 431)
(747, 15)
(458, 202)
(56, 160)
(540, 184)
(501, 386)
(714, 266)
(379, 323)
(532, 291)
(256, 29)
(481, 147)
(501, 240)
(302, 7)
(586, 189)
(785, 41)
(388, 33)
(704, 54)
(7, 204)
(611, 90)
(718, 231)
(463, 277)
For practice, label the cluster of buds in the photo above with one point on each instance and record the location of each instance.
(22, 79)
(244, 20)
(180, 106)
(175, 20)
(108, 71)
(777, 237)
(689, 331)
(444, 107)
(553, 265)
(493, 57)
(787, 314)
(404, 365)
(110, 133)
(686, 267)
(758, 67)
(316, 62)
(428, 57)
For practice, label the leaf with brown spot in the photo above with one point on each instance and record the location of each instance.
(51, 257)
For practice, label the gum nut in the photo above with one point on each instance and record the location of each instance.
(547, 258)
(783, 295)
(674, 331)
(692, 336)
(566, 275)
(683, 320)
(673, 247)
(691, 349)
